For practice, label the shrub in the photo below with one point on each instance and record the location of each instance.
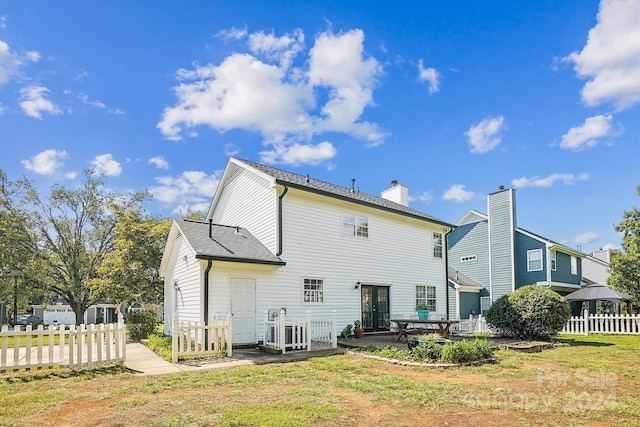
(140, 324)
(161, 345)
(429, 352)
(531, 312)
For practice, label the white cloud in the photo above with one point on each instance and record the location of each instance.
(611, 57)
(296, 154)
(278, 101)
(192, 190)
(587, 135)
(430, 75)
(105, 165)
(425, 197)
(46, 162)
(485, 136)
(34, 102)
(230, 149)
(33, 56)
(457, 193)
(609, 246)
(159, 162)
(85, 99)
(536, 181)
(3, 21)
(9, 63)
(281, 49)
(585, 238)
(232, 33)
(71, 175)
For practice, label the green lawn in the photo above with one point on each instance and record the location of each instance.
(593, 380)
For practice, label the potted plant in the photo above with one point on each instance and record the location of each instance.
(423, 311)
(357, 329)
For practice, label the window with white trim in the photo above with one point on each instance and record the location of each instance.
(437, 245)
(534, 260)
(469, 258)
(313, 290)
(553, 260)
(355, 225)
(485, 304)
(426, 295)
(574, 265)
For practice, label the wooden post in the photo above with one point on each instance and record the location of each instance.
(334, 329)
(229, 336)
(307, 331)
(174, 338)
(586, 321)
(282, 338)
(122, 334)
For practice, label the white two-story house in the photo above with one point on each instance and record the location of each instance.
(279, 240)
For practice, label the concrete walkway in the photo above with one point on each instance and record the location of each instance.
(143, 361)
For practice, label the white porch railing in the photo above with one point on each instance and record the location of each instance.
(195, 339)
(305, 333)
(474, 325)
(602, 324)
(82, 346)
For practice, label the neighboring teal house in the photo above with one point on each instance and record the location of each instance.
(490, 256)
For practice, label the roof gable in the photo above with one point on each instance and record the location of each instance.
(551, 244)
(306, 183)
(472, 217)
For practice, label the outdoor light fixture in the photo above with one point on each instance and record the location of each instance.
(357, 285)
(176, 286)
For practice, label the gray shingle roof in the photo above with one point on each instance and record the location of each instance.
(331, 190)
(227, 243)
(460, 279)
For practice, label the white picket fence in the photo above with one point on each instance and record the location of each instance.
(473, 325)
(616, 324)
(190, 339)
(305, 333)
(82, 346)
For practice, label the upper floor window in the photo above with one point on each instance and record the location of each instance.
(469, 258)
(313, 290)
(355, 225)
(426, 295)
(437, 245)
(553, 260)
(534, 260)
(574, 265)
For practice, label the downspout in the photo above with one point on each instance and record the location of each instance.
(206, 282)
(280, 197)
(446, 267)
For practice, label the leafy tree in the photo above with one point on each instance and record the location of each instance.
(531, 312)
(69, 234)
(625, 265)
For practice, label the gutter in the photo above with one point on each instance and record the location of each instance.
(446, 267)
(280, 197)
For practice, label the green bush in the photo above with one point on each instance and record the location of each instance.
(161, 345)
(429, 352)
(433, 352)
(140, 324)
(531, 312)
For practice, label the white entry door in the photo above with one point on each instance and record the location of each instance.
(243, 308)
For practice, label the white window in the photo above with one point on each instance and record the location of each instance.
(426, 295)
(469, 258)
(355, 225)
(574, 265)
(534, 260)
(313, 290)
(437, 245)
(553, 260)
(485, 304)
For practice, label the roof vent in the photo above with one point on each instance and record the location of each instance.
(307, 179)
(501, 187)
(353, 185)
(394, 182)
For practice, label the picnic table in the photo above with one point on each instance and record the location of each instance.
(444, 326)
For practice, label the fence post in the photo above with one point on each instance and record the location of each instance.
(282, 338)
(122, 335)
(334, 329)
(585, 314)
(265, 327)
(307, 328)
(174, 338)
(229, 336)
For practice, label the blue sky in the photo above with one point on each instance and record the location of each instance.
(452, 99)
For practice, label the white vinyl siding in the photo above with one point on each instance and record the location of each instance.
(313, 290)
(534, 260)
(574, 265)
(426, 295)
(437, 245)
